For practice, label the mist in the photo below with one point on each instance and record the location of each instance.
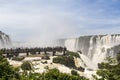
(40, 21)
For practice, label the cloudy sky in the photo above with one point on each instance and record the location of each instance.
(52, 19)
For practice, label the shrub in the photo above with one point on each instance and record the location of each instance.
(27, 66)
(107, 71)
(65, 60)
(55, 74)
(73, 72)
(74, 54)
(18, 58)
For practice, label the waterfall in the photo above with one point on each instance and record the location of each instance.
(88, 64)
(72, 44)
(4, 40)
(94, 48)
(91, 47)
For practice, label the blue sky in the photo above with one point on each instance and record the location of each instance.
(52, 19)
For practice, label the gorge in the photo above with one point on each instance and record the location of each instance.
(94, 48)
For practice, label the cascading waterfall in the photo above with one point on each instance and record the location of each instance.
(70, 43)
(91, 47)
(103, 44)
(94, 48)
(4, 40)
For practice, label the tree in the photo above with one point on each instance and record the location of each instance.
(27, 67)
(6, 70)
(55, 74)
(109, 71)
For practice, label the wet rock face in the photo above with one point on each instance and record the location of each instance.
(4, 40)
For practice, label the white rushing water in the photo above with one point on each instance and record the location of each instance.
(4, 40)
(94, 48)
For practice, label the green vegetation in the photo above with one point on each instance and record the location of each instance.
(19, 58)
(65, 60)
(51, 74)
(54, 74)
(109, 70)
(73, 72)
(27, 66)
(118, 58)
(68, 60)
(73, 54)
(7, 72)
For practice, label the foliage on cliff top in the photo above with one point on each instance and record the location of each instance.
(68, 60)
(74, 54)
(65, 60)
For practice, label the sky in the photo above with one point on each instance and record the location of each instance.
(35, 20)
